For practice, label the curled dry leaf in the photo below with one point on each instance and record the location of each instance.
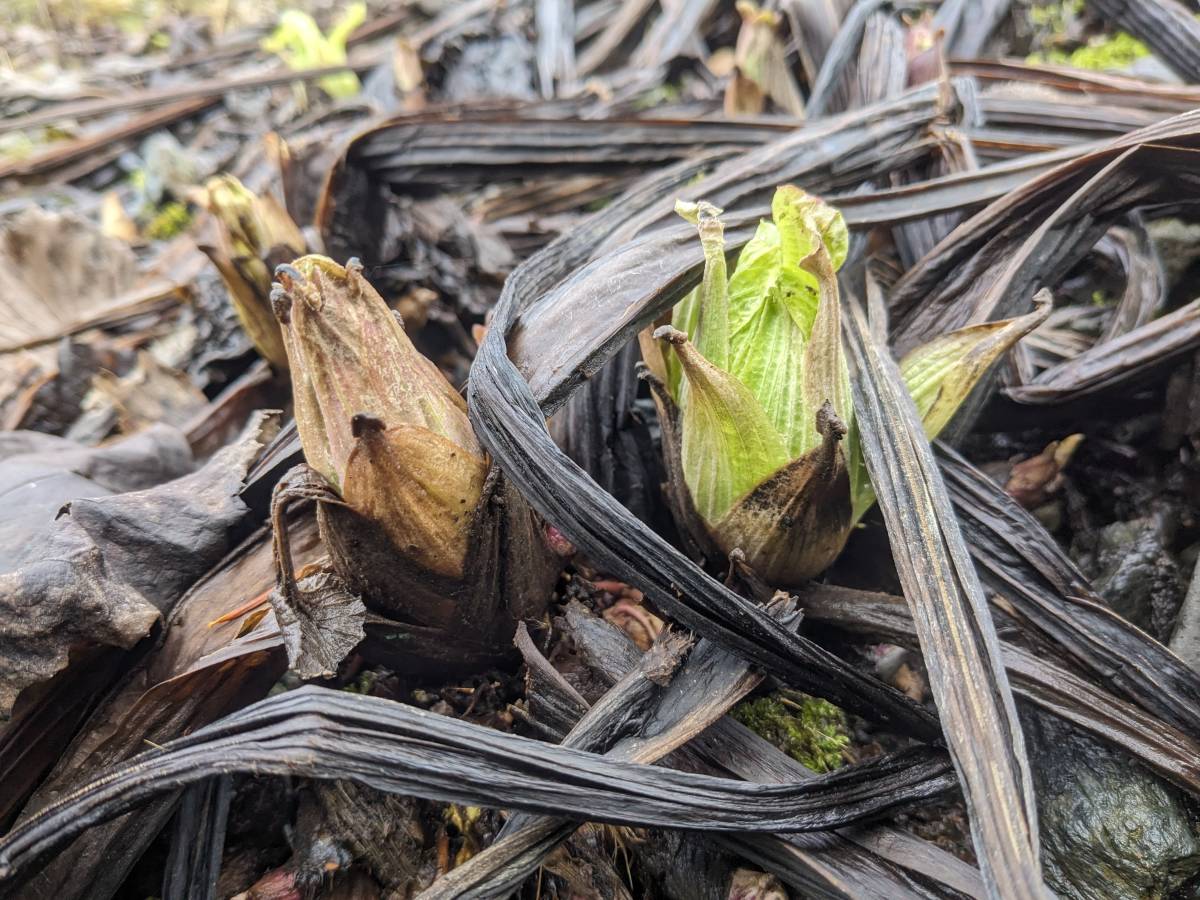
(321, 623)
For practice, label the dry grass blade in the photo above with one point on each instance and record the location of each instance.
(832, 83)
(709, 684)
(990, 264)
(952, 620)
(876, 861)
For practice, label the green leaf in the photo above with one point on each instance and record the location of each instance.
(805, 223)
(768, 358)
(774, 303)
(728, 444)
(299, 41)
(754, 276)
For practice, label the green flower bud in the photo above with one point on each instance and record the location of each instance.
(753, 391)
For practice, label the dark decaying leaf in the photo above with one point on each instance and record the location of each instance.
(392, 747)
(139, 461)
(197, 674)
(866, 861)
(1023, 564)
(108, 567)
(969, 25)
(952, 620)
(1035, 679)
(319, 619)
(57, 270)
(1117, 363)
(1081, 84)
(321, 622)
(1145, 278)
(974, 275)
(486, 146)
(599, 429)
(831, 91)
(674, 28)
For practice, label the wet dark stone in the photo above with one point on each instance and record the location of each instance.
(1131, 567)
(1110, 830)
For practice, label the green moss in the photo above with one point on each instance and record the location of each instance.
(364, 684)
(809, 730)
(1102, 52)
(170, 219)
(1116, 51)
(664, 93)
(1054, 16)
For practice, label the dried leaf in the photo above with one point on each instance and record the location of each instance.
(196, 675)
(105, 570)
(321, 623)
(1120, 362)
(1020, 561)
(151, 392)
(952, 620)
(1035, 679)
(57, 270)
(396, 748)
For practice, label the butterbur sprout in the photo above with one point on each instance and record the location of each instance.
(412, 520)
(751, 382)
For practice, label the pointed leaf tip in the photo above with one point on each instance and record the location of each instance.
(941, 374)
